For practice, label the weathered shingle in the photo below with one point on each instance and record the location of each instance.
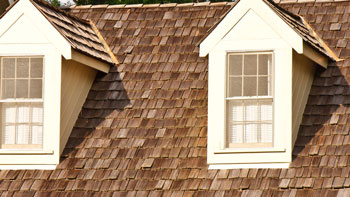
(79, 33)
(143, 128)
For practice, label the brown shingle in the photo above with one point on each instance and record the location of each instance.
(143, 126)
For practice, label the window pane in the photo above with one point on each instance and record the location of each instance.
(235, 86)
(266, 110)
(9, 134)
(22, 69)
(266, 133)
(37, 116)
(8, 68)
(251, 133)
(251, 111)
(36, 70)
(23, 134)
(249, 86)
(250, 65)
(37, 134)
(264, 62)
(236, 133)
(8, 88)
(235, 111)
(263, 89)
(23, 114)
(235, 64)
(9, 113)
(22, 88)
(35, 88)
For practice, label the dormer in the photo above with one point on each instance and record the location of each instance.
(262, 61)
(48, 62)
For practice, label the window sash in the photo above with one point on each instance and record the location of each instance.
(34, 128)
(257, 75)
(30, 79)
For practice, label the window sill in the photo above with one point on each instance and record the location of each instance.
(249, 150)
(26, 152)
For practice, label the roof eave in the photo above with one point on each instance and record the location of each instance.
(90, 61)
(318, 57)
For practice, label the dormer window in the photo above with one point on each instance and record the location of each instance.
(21, 101)
(249, 100)
(259, 77)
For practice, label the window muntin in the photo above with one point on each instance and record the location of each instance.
(21, 102)
(249, 100)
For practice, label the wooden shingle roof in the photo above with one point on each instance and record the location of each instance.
(78, 32)
(301, 26)
(143, 128)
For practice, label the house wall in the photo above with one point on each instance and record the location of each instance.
(76, 83)
(303, 74)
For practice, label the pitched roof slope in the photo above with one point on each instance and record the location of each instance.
(143, 128)
(78, 32)
(303, 29)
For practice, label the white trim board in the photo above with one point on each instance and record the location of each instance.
(27, 167)
(243, 166)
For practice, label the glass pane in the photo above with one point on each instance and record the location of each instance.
(235, 111)
(23, 134)
(266, 133)
(22, 88)
(263, 89)
(251, 111)
(9, 134)
(235, 86)
(36, 88)
(8, 88)
(22, 70)
(249, 86)
(235, 64)
(37, 134)
(36, 69)
(9, 113)
(264, 62)
(251, 133)
(235, 133)
(266, 110)
(8, 68)
(37, 116)
(250, 65)
(23, 114)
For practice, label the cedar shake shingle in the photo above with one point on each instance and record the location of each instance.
(142, 130)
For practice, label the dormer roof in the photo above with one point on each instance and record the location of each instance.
(298, 33)
(82, 35)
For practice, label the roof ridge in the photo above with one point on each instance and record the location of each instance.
(67, 14)
(149, 5)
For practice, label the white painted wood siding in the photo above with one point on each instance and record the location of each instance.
(303, 74)
(76, 83)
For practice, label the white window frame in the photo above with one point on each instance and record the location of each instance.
(246, 98)
(218, 155)
(21, 147)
